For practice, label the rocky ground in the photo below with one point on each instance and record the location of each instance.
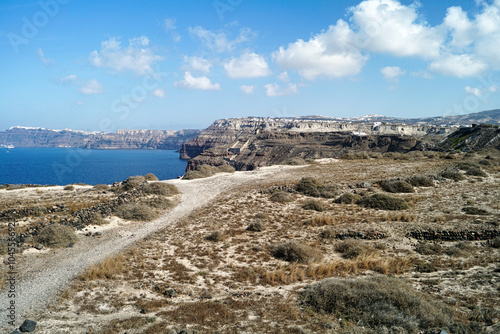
(240, 251)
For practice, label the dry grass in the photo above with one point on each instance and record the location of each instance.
(384, 202)
(108, 269)
(57, 236)
(163, 189)
(295, 252)
(136, 212)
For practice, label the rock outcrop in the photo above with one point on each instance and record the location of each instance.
(122, 139)
(473, 138)
(247, 143)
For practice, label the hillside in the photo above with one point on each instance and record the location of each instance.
(122, 139)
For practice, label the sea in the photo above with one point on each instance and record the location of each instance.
(62, 166)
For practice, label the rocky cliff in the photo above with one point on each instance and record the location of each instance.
(247, 143)
(122, 139)
(473, 138)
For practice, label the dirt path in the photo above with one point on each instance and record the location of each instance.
(41, 278)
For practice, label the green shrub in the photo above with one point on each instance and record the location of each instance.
(421, 181)
(295, 252)
(281, 197)
(495, 243)
(203, 171)
(159, 188)
(348, 198)
(476, 172)
(56, 236)
(470, 210)
(353, 155)
(225, 169)
(485, 162)
(377, 302)
(4, 249)
(352, 249)
(397, 187)
(69, 188)
(136, 212)
(462, 249)
(309, 186)
(384, 202)
(150, 177)
(314, 205)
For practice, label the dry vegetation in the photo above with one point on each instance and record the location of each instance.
(254, 261)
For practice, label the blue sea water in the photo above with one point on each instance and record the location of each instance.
(61, 166)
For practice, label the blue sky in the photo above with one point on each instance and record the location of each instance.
(106, 65)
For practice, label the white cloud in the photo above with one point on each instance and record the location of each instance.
(392, 73)
(158, 92)
(248, 65)
(328, 53)
(247, 89)
(69, 79)
(283, 76)
(273, 90)
(45, 61)
(197, 64)
(136, 57)
(387, 26)
(459, 66)
(422, 74)
(480, 92)
(196, 83)
(80, 103)
(218, 41)
(91, 87)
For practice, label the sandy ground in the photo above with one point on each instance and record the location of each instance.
(42, 275)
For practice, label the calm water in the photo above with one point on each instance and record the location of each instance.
(68, 165)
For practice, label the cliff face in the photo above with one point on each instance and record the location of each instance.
(248, 143)
(473, 138)
(122, 139)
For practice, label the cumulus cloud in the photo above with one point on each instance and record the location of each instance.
(196, 83)
(248, 65)
(392, 73)
(169, 24)
(91, 87)
(45, 61)
(387, 26)
(69, 79)
(136, 57)
(247, 89)
(158, 92)
(327, 54)
(283, 76)
(459, 65)
(273, 90)
(197, 64)
(218, 41)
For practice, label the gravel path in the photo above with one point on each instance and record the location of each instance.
(43, 277)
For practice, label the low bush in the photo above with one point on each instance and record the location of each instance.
(485, 162)
(384, 202)
(471, 168)
(215, 236)
(98, 219)
(225, 169)
(421, 181)
(428, 248)
(296, 161)
(353, 155)
(495, 243)
(203, 171)
(352, 249)
(295, 252)
(309, 186)
(133, 182)
(136, 212)
(150, 177)
(462, 249)
(348, 198)
(397, 187)
(69, 188)
(159, 188)
(452, 175)
(314, 205)
(101, 187)
(159, 202)
(56, 236)
(281, 197)
(256, 227)
(470, 210)
(377, 302)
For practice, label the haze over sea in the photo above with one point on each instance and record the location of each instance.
(61, 166)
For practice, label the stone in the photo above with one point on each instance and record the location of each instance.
(16, 332)
(443, 332)
(206, 295)
(71, 244)
(38, 246)
(28, 326)
(170, 293)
